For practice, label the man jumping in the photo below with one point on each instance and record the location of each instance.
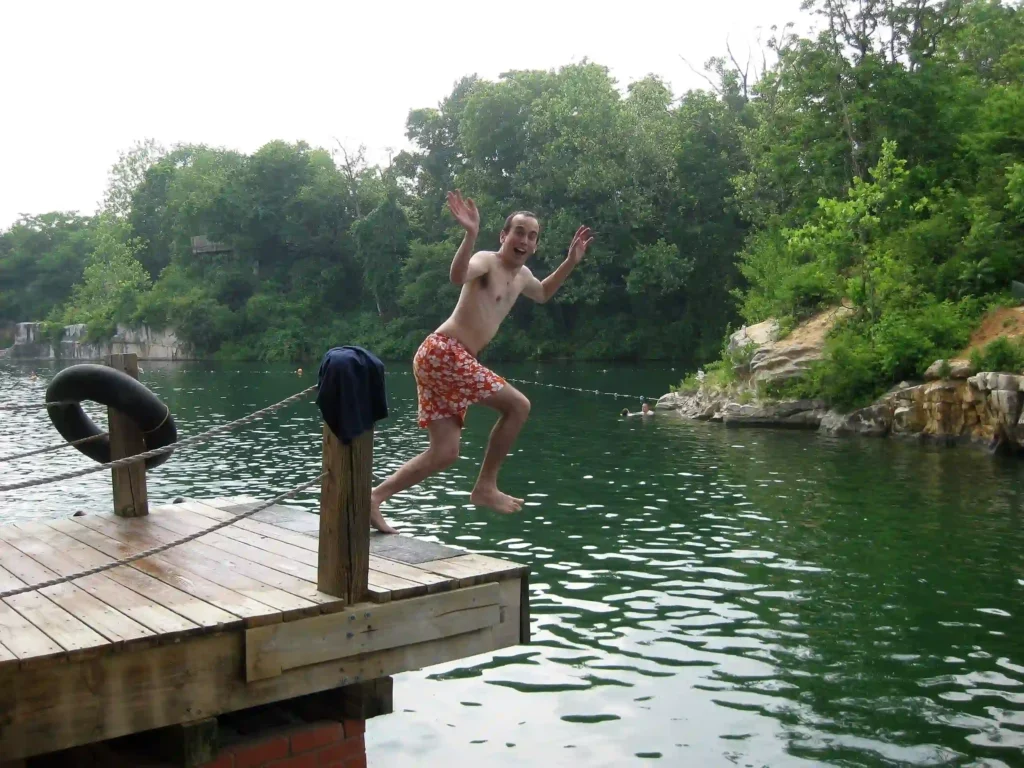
(449, 378)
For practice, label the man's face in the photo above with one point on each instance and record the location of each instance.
(520, 242)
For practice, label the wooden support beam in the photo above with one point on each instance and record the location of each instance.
(361, 629)
(524, 609)
(358, 701)
(343, 568)
(49, 707)
(370, 698)
(126, 439)
(188, 745)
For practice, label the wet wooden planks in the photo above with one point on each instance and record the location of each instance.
(255, 572)
(195, 587)
(229, 620)
(53, 706)
(424, 562)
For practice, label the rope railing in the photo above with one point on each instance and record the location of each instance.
(35, 406)
(163, 547)
(187, 443)
(50, 448)
(216, 430)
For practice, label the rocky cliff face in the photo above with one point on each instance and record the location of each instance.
(952, 405)
(726, 408)
(987, 408)
(984, 408)
(31, 344)
(771, 360)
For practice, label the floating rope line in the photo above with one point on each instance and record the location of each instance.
(34, 406)
(187, 443)
(54, 447)
(162, 547)
(581, 390)
(556, 386)
(209, 434)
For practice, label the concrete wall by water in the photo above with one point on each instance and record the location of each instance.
(31, 344)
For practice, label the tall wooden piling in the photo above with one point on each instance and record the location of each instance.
(126, 439)
(344, 551)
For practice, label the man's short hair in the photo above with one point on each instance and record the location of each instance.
(508, 221)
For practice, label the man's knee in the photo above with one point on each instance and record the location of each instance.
(520, 407)
(445, 453)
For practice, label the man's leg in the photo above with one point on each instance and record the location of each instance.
(513, 408)
(445, 435)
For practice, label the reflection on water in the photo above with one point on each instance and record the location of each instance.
(700, 596)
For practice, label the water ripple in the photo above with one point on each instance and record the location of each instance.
(699, 596)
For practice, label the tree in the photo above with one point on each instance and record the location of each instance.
(127, 174)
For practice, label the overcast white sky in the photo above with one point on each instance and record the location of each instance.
(81, 81)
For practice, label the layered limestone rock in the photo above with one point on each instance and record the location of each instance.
(768, 360)
(873, 421)
(954, 404)
(790, 414)
(30, 343)
(948, 369)
(729, 408)
(700, 406)
(792, 356)
(985, 408)
(756, 335)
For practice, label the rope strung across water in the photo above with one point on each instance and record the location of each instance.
(162, 547)
(578, 389)
(556, 386)
(187, 443)
(209, 434)
(33, 406)
(54, 447)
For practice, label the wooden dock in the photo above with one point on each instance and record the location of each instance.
(277, 606)
(229, 621)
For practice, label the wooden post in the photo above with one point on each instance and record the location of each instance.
(344, 552)
(188, 745)
(126, 439)
(356, 701)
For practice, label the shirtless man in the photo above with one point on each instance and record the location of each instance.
(448, 376)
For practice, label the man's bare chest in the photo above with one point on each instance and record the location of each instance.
(499, 291)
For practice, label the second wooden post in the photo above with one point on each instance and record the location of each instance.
(344, 551)
(126, 439)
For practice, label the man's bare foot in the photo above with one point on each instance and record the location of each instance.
(496, 500)
(377, 519)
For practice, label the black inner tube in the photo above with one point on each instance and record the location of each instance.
(114, 389)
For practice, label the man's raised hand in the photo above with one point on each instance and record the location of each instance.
(579, 244)
(464, 211)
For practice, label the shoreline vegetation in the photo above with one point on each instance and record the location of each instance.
(876, 164)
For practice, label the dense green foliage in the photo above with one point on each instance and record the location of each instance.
(892, 184)
(878, 163)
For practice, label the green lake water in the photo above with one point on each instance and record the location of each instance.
(700, 596)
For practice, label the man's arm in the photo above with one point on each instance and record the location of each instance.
(542, 291)
(466, 265)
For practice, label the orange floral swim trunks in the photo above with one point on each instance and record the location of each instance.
(449, 379)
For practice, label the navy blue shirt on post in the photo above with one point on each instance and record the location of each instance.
(352, 395)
